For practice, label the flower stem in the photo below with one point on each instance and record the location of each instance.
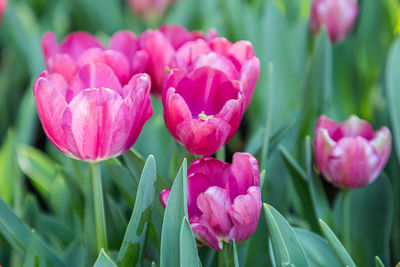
(346, 219)
(98, 201)
(224, 255)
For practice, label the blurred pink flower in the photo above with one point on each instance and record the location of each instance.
(81, 48)
(161, 46)
(351, 154)
(202, 109)
(236, 60)
(93, 117)
(3, 6)
(150, 8)
(224, 201)
(338, 16)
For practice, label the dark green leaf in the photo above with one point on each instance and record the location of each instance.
(378, 262)
(132, 248)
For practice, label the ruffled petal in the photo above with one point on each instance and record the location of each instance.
(353, 127)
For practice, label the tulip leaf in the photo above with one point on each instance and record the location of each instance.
(235, 254)
(286, 248)
(8, 167)
(132, 248)
(19, 236)
(378, 262)
(103, 260)
(34, 255)
(317, 249)
(341, 253)
(318, 195)
(175, 211)
(188, 248)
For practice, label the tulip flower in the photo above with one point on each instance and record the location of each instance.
(81, 48)
(202, 109)
(93, 117)
(3, 5)
(150, 8)
(338, 16)
(161, 46)
(350, 154)
(224, 201)
(236, 60)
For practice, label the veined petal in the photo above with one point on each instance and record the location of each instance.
(218, 62)
(243, 174)
(353, 127)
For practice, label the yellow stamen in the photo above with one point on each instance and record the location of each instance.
(205, 117)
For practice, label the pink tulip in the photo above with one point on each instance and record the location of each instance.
(351, 154)
(224, 201)
(161, 46)
(338, 16)
(150, 8)
(3, 6)
(93, 117)
(80, 48)
(236, 60)
(202, 109)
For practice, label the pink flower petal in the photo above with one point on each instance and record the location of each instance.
(205, 235)
(353, 127)
(382, 142)
(62, 64)
(218, 62)
(240, 52)
(124, 42)
(177, 35)
(249, 76)
(78, 42)
(164, 196)
(244, 174)
(49, 45)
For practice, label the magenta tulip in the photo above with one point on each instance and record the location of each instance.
(236, 60)
(93, 117)
(351, 154)
(224, 201)
(338, 16)
(161, 46)
(202, 109)
(150, 8)
(80, 48)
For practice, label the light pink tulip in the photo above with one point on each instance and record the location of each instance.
(351, 154)
(161, 46)
(93, 117)
(150, 8)
(81, 48)
(3, 6)
(338, 16)
(224, 201)
(202, 109)
(236, 60)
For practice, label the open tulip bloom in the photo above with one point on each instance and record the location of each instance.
(93, 117)
(351, 154)
(80, 48)
(338, 16)
(224, 201)
(202, 109)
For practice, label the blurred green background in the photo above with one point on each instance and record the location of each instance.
(301, 77)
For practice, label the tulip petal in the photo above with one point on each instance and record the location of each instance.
(240, 52)
(88, 123)
(49, 45)
(190, 51)
(328, 124)
(205, 235)
(62, 64)
(245, 213)
(382, 142)
(220, 45)
(78, 42)
(124, 42)
(95, 75)
(218, 62)
(249, 76)
(353, 127)
(164, 196)
(323, 145)
(50, 101)
(177, 35)
(353, 163)
(214, 204)
(243, 174)
(140, 62)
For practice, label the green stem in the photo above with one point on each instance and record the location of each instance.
(98, 201)
(346, 219)
(223, 256)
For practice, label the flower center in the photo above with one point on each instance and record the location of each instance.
(204, 116)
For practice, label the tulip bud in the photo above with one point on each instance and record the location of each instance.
(93, 117)
(202, 109)
(150, 8)
(350, 154)
(80, 48)
(338, 16)
(161, 46)
(224, 201)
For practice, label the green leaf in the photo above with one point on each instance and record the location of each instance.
(318, 195)
(317, 249)
(9, 171)
(287, 250)
(41, 169)
(378, 262)
(18, 235)
(341, 253)
(235, 254)
(104, 260)
(34, 256)
(393, 92)
(132, 248)
(175, 211)
(188, 248)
